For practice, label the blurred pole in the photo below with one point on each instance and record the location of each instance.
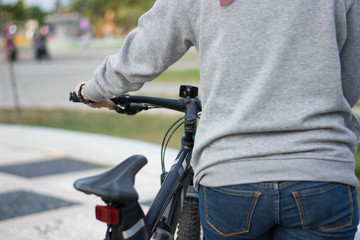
(14, 88)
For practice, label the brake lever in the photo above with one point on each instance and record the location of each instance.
(118, 109)
(131, 108)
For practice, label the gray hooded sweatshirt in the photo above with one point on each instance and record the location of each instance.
(279, 79)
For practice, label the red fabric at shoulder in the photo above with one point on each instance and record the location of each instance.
(225, 2)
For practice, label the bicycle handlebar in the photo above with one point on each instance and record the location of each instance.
(129, 109)
(128, 104)
(174, 104)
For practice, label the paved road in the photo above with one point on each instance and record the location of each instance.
(47, 83)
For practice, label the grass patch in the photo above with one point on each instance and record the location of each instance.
(145, 127)
(357, 154)
(357, 158)
(190, 76)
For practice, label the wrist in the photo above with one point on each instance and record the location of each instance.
(82, 96)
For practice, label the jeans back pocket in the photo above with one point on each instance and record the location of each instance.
(328, 207)
(229, 211)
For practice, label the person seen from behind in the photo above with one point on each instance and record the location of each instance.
(274, 150)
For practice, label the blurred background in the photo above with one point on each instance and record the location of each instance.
(68, 23)
(46, 142)
(46, 48)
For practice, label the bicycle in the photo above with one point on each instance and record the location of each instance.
(176, 204)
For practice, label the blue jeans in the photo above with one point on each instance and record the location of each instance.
(279, 211)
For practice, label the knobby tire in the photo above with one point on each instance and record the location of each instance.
(189, 223)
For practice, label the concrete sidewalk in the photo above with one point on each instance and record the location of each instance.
(37, 169)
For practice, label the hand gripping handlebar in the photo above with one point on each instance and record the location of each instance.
(128, 104)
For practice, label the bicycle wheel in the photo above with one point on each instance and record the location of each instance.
(189, 224)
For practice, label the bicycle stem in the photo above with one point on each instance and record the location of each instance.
(192, 109)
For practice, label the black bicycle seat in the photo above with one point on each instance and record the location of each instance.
(115, 185)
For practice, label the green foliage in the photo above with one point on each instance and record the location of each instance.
(37, 14)
(17, 11)
(20, 14)
(357, 160)
(188, 76)
(127, 12)
(145, 127)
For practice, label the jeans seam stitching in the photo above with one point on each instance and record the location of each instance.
(271, 185)
(319, 190)
(236, 193)
(276, 205)
(301, 210)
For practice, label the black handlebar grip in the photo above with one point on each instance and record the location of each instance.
(73, 97)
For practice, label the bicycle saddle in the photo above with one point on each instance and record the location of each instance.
(115, 185)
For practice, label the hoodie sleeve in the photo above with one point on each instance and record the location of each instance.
(162, 37)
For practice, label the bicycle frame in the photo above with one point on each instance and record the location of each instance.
(163, 214)
(171, 192)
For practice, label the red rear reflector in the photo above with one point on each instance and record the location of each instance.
(107, 215)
